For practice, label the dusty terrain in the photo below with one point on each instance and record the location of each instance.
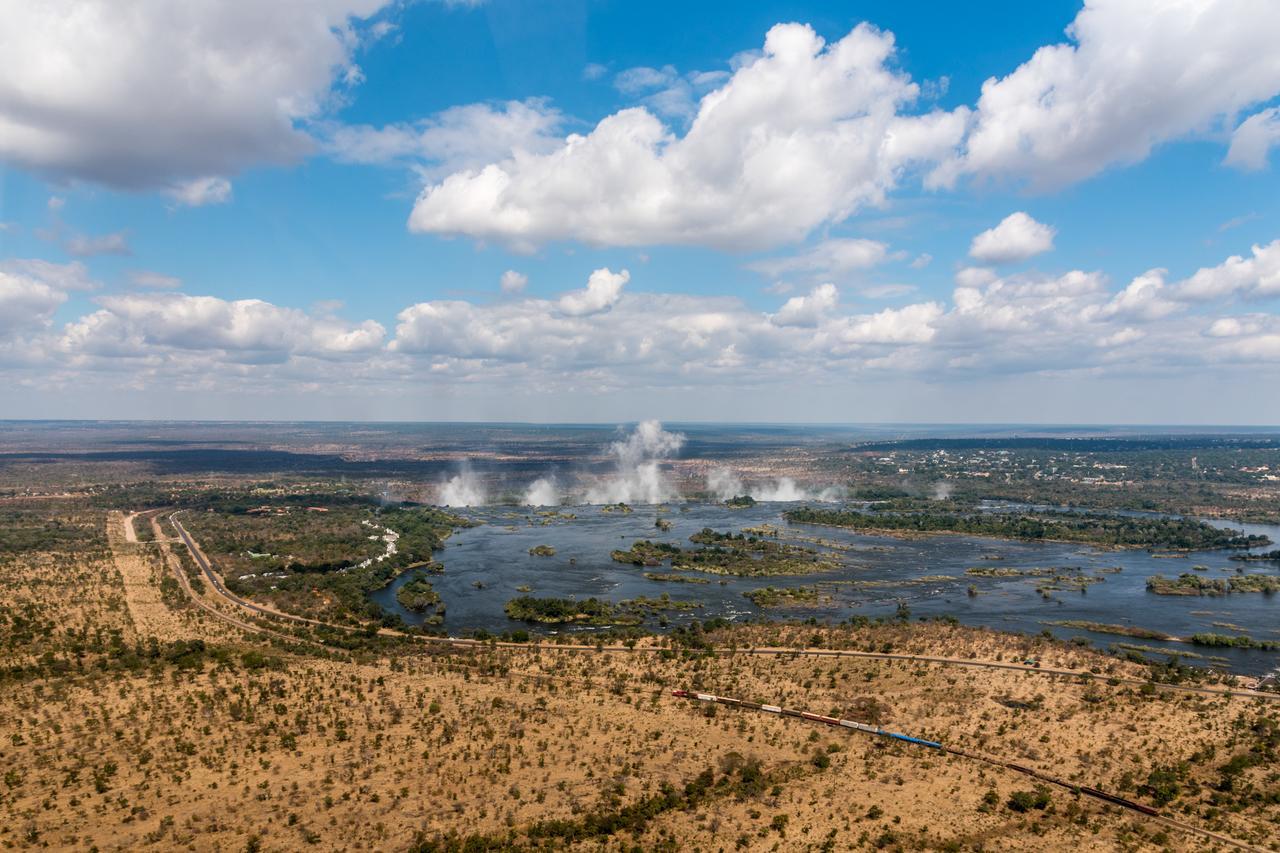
(216, 734)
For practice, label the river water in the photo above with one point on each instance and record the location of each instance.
(876, 573)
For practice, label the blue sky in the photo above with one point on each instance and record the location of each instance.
(315, 232)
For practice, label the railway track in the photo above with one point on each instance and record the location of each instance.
(1083, 790)
(226, 618)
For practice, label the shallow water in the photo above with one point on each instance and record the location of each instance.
(496, 554)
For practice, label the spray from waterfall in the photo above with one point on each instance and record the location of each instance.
(638, 477)
(462, 489)
(724, 484)
(542, 492)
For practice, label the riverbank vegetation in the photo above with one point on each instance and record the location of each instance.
(1091, 528)
(1265, 557)
(321, 557)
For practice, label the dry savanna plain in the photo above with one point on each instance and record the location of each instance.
(143, 708)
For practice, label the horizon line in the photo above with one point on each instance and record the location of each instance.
(625, 422)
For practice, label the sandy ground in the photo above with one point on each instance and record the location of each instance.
(130, 534)
(141, 569)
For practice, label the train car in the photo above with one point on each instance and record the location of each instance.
(932, 744)
(876, 730)
(862, 727)
(819, 718)
(1119, 801)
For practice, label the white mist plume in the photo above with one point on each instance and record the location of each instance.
(942, 491)
(542, 492)
(784, 489)
(724, 484)
(639, 478)
(831, 494)
(463, 489)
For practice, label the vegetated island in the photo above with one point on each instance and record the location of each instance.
(417, 595)
(591, 611)
(1092, 528)
(555, 611)
(1056, 578)
(740, 502)
(727, 554)
(1192, 584)
(542, 551)
(787, 596)
(1234, 642)
(1009, 572)
(673, 577)
(1121, 630)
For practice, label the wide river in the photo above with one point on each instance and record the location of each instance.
(485, 566)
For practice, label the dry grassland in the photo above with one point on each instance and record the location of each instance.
(235, 745)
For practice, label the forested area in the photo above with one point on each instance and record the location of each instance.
(1093, 528)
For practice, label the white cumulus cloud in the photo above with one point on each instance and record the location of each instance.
(603, 290)
(808, 310)
(1017, 238)
(140, 323)
(1253, 140)
(513, 282)
(198, 192)
(1254, 277)
(828, 259)
(26, 304)
(461, 137)
(1135, 74)
(802, 134)
(150, 94)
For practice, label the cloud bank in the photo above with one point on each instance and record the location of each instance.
(604, 338)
